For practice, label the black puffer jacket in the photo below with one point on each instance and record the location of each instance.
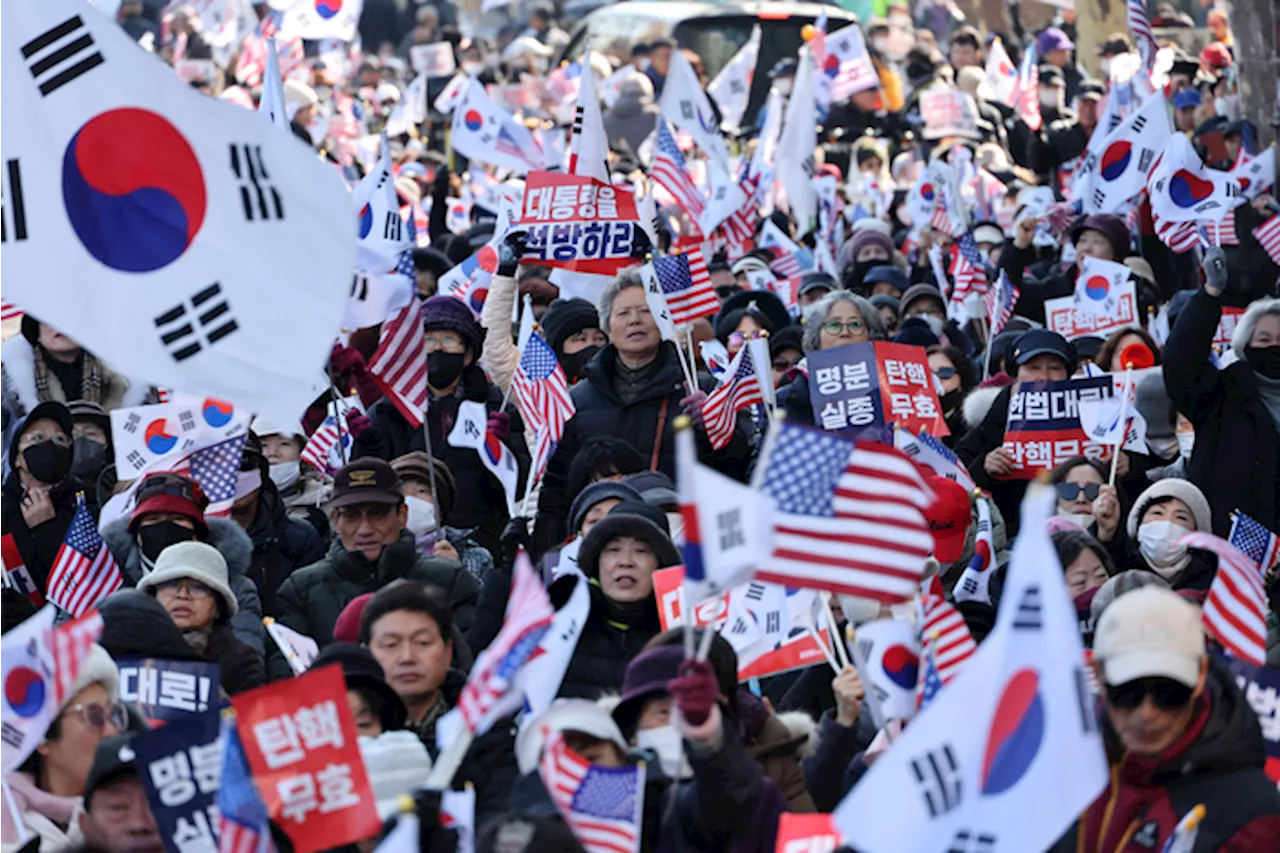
(39, 545)
(609, 641)
(647, 423)
(239, 666)
(1236, 460)
(312, 598)
(479, 501)
(135, 625)
(235, 547)
(280, 545)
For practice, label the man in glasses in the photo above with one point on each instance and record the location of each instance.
(1179, 733)
(372, 548)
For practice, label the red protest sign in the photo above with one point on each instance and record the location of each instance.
(1227, 326)
(574, 222)
(799, 652)
(551, 197)
(906, 389)
(300, 739)
(807, 833)
(1064, 316)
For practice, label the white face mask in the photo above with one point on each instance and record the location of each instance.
(1165, 448)
(1186, 443)
(422, 516)
(934, 324)
(285, 474)
(1083, 519)
(475, 69)
(1105, 65)
(782, 86)
(881, 45)
(669, 746)
(1158, 542)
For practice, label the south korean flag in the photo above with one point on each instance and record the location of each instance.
(182, 239)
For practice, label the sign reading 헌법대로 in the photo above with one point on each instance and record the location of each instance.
(1043, 428)
(858, 390)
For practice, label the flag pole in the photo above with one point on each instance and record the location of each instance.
(290, 654)
(986, 361)
(1124, 420)
(842, 651)
(431, 459)
(873, 701)
(14, 814)
(337, 419)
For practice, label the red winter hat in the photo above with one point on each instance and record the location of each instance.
(347, 628)
(949, 516)
(167, 492)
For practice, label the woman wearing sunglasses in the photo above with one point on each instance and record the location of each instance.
(1085, 499)
(955, 377)
(48, 789)
(837, 319)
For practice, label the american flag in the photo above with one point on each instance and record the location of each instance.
(953, 645)
(1226, 230)
(399, 365)
(542, 392)
(71, 643)
(668, 170)
(84, 572)
(252, 63)
(1235, 610)
(930, 681)
(941, 219)
(602, 805)
(1268, 236)
(9, 311)
(1000, 301)
(738, 228)
(848, 64)
(687, 285)
(529, 614)
(243, 823)
(1141, 27)
(739, 389)
(215, 468)
(1180, 237)
(848, 519)
(1026, 94)
(970, 271)
(328, 437)
(1254, 541)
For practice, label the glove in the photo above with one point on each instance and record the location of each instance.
(499, 425)
(641, 248)
(693, 406)
(1214, 265)
(358, 424)
(345, 361)
(440, 183)
(695, 691)
(432, 837)
(510, 251)
(514, 537)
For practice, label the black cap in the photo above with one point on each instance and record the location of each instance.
(367, 481)
(814, 280)
(363, 672)
(1115, 45)
(785, 67)
(49, 410)
(1091, 89)
(887, 274)
(113, 758)
(1051, 75)
(1040, 341)
(84, 411)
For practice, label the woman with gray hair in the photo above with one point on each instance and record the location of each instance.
(1236, 410)
(839, 318)
(634, 389)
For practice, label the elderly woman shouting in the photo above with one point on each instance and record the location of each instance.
(634, 389)
(837, 319)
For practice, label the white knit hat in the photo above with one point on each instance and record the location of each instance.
(96, 668)
(564, 715)
(1173, 487)
(197, 561)
(398, 764)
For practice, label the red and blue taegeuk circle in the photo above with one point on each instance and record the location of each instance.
(328, 8)
(133, 190)
(217, 413)
(24, 691)
(901, 665)
(1188, 189)
(157, 437)
(831, 67)
(473, 120)
(366, 221)
(1115, 160)
(926, 191)
(1097, 287)
(1017, 730)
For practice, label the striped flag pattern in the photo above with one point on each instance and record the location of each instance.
(954, 645)
(738, 390)
(215, 468)
(1026, 94)
(848, 64)
(1255, 541)
(970, 271)
(668, 170)
(1140, 25)
(941, 220)
(738, 228)
(399, 365)
(930, 680)
(602, 805)
(529, 614)
(1235, 610)
(849, 518)
(1268, 236)
(687, 285)
(243, 825)
(71, 643)
(1226, 230)
(1000, 301)
(9, 311)
(84, 572)
(542, 392)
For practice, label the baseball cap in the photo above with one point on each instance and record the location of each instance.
(1039, 341)
(113, 758)
(1149, 632)
(1186, 98)
(1053, 38)
(367, 481)
(949, 516)
(169, 492)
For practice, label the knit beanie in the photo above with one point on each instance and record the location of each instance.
(195, 561)
(444, 313)
(1172, 487)
(1111, 227)
(96, 668)
(564, 318)
(397, 763)
(594, 494)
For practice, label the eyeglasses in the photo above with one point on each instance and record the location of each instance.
(1165, 694)
(451, 343)
(945, 373)
(193, 588)
(373, 512)
(834, 327)
(1071, 491)
(96, 715)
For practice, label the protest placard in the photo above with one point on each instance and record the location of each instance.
(1261, 688)
(1043, 428)
(948, 112)
(857, 390)
(577, 223)
(807, 833)
(181, 770)
(1064, 317)
(168, 690)
(433, 60)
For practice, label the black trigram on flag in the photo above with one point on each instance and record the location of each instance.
(261, 201)
(359, 287)
(968, 841)
(393, 227)
(1139, 122)
(729, 525)
(15, 209)
(938, 775)
(579, 118)
(201, 321)
(61, 54)
(1027, 616)
(1099, 197)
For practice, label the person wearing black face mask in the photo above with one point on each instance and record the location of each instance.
(40, 495)
(572, 329)
(955, 373)
(1236, 410)
(454, 340)
(91, 449)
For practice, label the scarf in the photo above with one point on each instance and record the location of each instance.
(198, 639)
(1269, 393)
(85, 372)
(629, 383)
(28, 797)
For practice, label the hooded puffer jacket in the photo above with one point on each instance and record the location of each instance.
(235, 547)
(1218, 762)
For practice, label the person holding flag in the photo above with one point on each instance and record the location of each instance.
(1101, 235)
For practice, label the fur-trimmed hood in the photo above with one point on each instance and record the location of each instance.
(18, 358)
(224, 534)
(978, 404)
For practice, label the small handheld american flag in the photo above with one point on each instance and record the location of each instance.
(1254, 541)
(84, 572)
(604, 806)
(1000, 301)
(970, 271)
(244, 824)
(668, 170)
(930, 681)
(739, 389)
(542, 393)
(215, 468)
(399, 365)
(1235, 610)
(687, 286)
(953, 645)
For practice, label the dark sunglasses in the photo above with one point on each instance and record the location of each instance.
(1165, 694)
(724, 291)
(1070, 491)
(945, 373)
